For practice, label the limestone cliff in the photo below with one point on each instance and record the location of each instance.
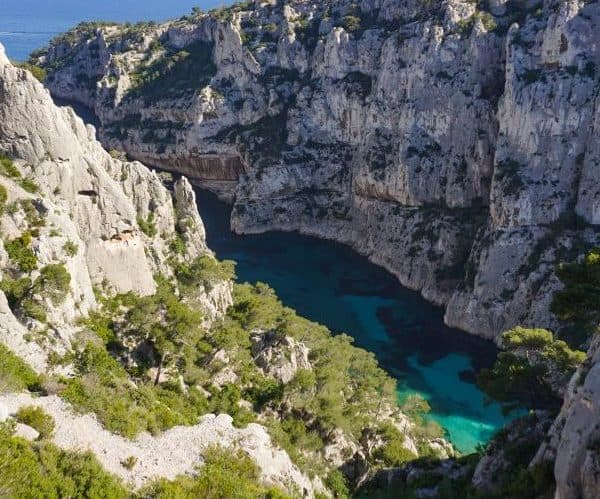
(85, 210)
(573, 442)
(450, 144)
(79, 226)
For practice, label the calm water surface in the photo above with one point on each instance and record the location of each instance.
(26, 25)
(329, 283)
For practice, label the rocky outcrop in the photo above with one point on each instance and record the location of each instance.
(449, 144)
(86, 210)
(175, 452)
(279, 356)
(573, 442)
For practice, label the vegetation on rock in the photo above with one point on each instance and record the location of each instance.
(526, 369)
(43, 470)
(225, 473)
(15, 374)
(36, 418)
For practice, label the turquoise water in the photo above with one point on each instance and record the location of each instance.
(330, 284)
(26, 25)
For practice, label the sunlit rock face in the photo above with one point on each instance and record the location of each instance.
(450, 145)
(86, 215)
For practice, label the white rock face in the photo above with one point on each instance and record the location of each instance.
(573, 441)
(174, 452)
(279, 357)
(424, 139)
(91, 201)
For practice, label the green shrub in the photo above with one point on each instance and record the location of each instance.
(37, 418)
(70, 248)
(226, 473)
(54, 282)
(3, 198)
(15, 374)
(148, 226)
(175, 74)
(205, 271)
(337, 484)
(226, 401)
(34, 309)
(578, 303)
(36, 71)
(104, 388)
(351, 23)
(129, 463)
(20, 252)
(29, 185)
(177, 245)
(8, 168)
(16, 290)
(393, 453)
(32, 215)
(521, 371)
(43, 470)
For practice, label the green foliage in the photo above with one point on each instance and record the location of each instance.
(104, 388)
(169, 333)
(226, 401)
(19, 294)
(521, 337)
(176, 74)
(465, 26)
(53, 282)
(225, 474)
(393, 453)
(15, 374)
(177, 245)
(37, 418)
(129, 463)
(351, 23)
(3, 198)
(20, 252)
(16, 290)
(70, 248)
(9, 169)
(345, 389)
(23, 295)
(148, 226)
(42, 470)
(336, 482)
(578, 303)
(166, 323)
(557, 352)
(34, 218)
(521, 372)
(38, 72)
(204, 271)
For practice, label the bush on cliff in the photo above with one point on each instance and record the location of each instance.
(225, 474)
(15, 374)
(525, 371)
(42, 470)
(578, 303)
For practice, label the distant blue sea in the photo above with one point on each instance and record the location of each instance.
(26, 25)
